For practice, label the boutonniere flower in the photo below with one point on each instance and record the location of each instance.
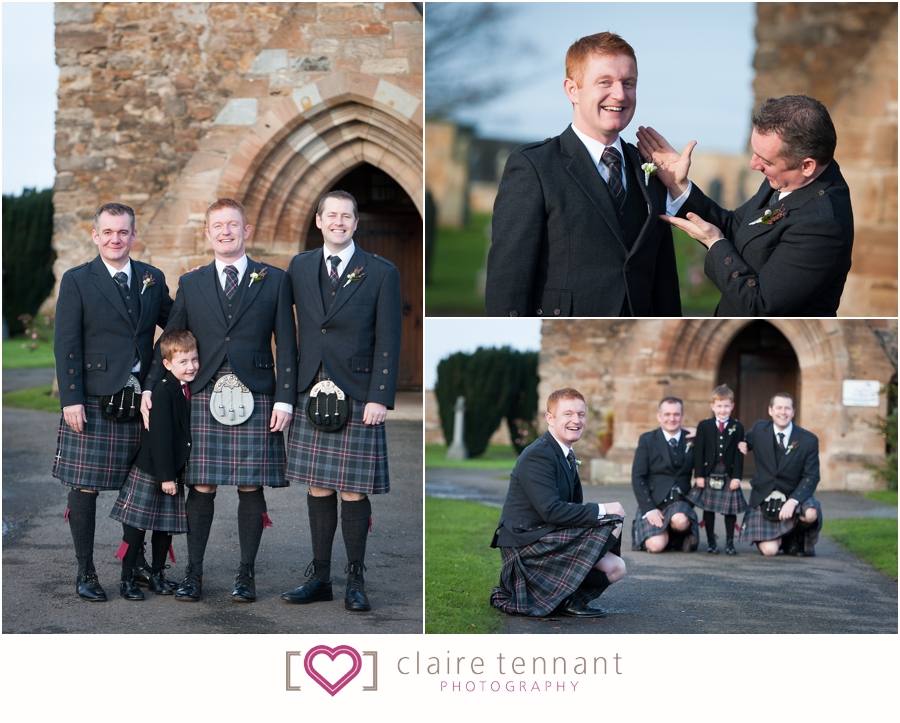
(355, 275)
(147, 282)
(577, 462)
(688, 445)
(770, 217)
(791, 447)
(258, 276)
(649, 168)
(732, 429)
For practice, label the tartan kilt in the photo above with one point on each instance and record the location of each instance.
(724, 501)
(536, 578)
(353, 459)
(757, 528)
(142, 504)
(246, 454)
(100, 457)
(641, 529)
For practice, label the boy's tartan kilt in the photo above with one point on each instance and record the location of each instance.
(246, 454)
(757, 528)
(723, 501)
(100, 457)
(535, 579)
(353, 459)
(641, 529)
(143, 504)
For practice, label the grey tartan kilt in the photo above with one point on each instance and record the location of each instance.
(641, 529)
(724, 501)
(246, 454)
(536, 578)
(100, 457)
(142, 504)
(353, 459)
(757, 528)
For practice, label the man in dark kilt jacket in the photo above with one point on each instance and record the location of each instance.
(559, 553)
(787, 462)
(107, 312)
(233, 307)
(348, 322)
(661, 479)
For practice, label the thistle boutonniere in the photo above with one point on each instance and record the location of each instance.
(649, 168)
(732, 429)
(577, 462)
(770, 217)
(688, 444)
(791, 447)
(147, 282)
(355, 275)
(258, 276)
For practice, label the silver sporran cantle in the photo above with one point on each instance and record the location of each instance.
(123, 406)
(231, 402)
(327, 409)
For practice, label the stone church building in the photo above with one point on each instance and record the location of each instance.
(624, 367)
(168, 106)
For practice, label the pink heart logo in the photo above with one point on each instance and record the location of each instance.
(332, 653)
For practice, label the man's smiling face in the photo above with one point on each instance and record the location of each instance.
(338, 223)
(605, 98)
(566, 423)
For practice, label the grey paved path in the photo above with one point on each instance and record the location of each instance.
(39, 565)
(833, 592)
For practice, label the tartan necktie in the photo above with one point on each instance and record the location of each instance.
(613, 161)
(122, 278)
(779, 447)
(231, 281)
(571, 458)
(673, 443)
(335, 261)
(721, 426)
(187, 391)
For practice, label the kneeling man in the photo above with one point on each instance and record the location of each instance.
(661, 478)
(559, 553)
(787, 472)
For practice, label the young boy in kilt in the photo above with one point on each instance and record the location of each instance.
(787, 465)
(661, 479)
(559, 553)
(153, 495)
(107, 312)
(347, 303)
(718, 466)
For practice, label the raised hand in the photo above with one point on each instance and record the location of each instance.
(696, 228)
(672, 167)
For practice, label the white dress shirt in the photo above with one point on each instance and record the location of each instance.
(565, 450)
(345, 255)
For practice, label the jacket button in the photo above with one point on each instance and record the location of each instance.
(71, 386)
(385, 371)
(287, 386)
(539, 312)
(324, 330)
(556, 312)
(287, 369)
(385, 354)
(71, 356)
(752, 282)
(88, 366)
(227, 338)
(71, 371)
(728, 261)
(735, 274)
(821, 193)
(99, 365)
(189, 444)
(381, 387)
(367, 370)
(513, 313)
(229, 316)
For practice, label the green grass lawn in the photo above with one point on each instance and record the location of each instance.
(461, 569)
(699, 295)
(35, 398)
(873, 540)
(459, 255)
(889, 497)
(15, 357)
(495, 457)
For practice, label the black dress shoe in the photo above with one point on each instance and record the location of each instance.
(355, 598)
(191, 588)
(142, 570)
(244, 585)
(158, 584)
(794, 546)
(729, 548)
(572, 608)
(313, 590)
(712, 548)
(129, 589)
(88, 587)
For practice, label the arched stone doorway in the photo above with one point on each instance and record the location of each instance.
(389, 226)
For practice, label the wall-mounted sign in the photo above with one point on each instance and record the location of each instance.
(860, 393)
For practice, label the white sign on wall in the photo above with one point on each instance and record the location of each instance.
(861, 393)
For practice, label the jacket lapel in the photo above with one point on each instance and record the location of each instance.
(145, 296)
(345, 289)
(636, 180)
(107, 286)
(309, 278)
(787, 459)
(250, 291)
(207, 282)
(663, 447)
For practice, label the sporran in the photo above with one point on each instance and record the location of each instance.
(231, 402)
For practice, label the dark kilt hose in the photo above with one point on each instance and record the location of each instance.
(353, 459)
(100, 457)
(143, 504)
(757, 528)
(246, 454)
(641, 529)
(537, 578)
(724, 501)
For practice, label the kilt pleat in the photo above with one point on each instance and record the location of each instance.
(723, 501)
(142, 504)
(641, 529)
(536, 578)
(756, 528)
(246, 454)
(353, 459)
(100, 457)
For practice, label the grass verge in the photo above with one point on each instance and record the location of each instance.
(459, 256)
(34, 398)
(15, 357)
(873, 540)
(495, 457)
(460, 567)
(889, 497)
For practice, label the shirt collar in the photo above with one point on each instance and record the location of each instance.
(596, 148)
(240, 265)
(676, 437)
(787, 430)
(344, 255)
(113, 270)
